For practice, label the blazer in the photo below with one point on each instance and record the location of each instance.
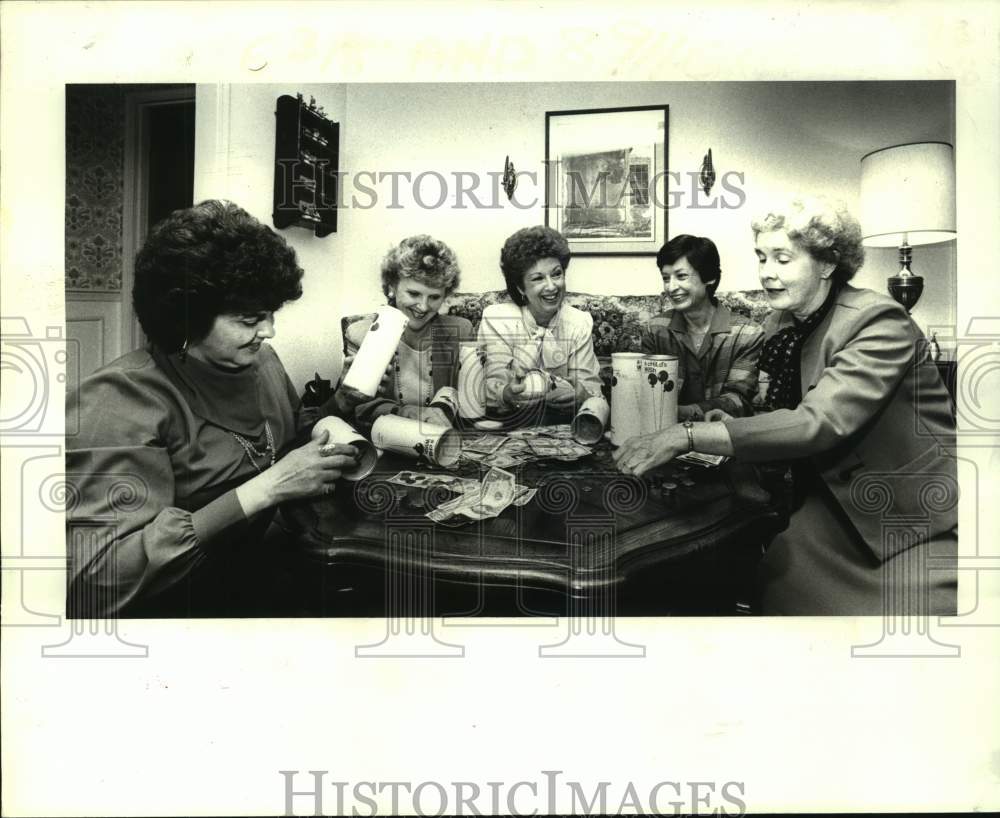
(444, 335)
(722, 374)
(565, 348)
(875, 420)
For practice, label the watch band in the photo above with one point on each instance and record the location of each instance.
(689, 428)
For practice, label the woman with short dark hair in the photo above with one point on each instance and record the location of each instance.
(859, 409)
(418, 275)
(535, 330)
(200, 429)
(716, 348)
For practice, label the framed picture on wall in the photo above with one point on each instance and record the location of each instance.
(606, 179)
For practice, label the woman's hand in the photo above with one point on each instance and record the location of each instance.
(514, 391)
(644, 452)
(717, 414)
(307, 471)
(562, 396)
(690, 411)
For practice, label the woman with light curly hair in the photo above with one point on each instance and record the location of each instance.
(417, 276)
(859, 410)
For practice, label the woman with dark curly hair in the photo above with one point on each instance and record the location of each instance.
(536, 331)
(859, 409)
(201, 429)
(417, 276)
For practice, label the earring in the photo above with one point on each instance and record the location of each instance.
(184, 351)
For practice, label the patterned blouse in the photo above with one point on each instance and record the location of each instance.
(565, 348)
(722, 372)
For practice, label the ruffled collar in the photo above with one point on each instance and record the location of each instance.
(536, 331)
(551, 352)
(230, 399)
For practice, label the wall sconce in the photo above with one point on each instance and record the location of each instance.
(908, 198)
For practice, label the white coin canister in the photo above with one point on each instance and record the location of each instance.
(588, 425)
(440, 445)
(376, 351)
(659, 388)
(624, 396)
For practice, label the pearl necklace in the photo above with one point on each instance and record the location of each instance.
(251, 450)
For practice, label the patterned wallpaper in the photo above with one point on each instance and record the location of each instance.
(95, 136)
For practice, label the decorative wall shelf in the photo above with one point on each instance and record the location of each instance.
(306, 160)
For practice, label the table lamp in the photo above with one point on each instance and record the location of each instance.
(908, 198)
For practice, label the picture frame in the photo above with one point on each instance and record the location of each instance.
(606, 179)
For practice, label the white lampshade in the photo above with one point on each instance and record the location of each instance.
(908, 192)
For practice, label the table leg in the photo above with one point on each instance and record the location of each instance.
(409, 595)
(590, 625)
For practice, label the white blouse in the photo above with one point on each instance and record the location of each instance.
(565, 348)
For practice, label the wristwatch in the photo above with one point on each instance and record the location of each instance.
(689, 428)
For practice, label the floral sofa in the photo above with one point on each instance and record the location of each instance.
(618, 319)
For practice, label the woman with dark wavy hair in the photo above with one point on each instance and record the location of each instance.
(201, 429)
(418, 275)
(858, 408)
(536, 331)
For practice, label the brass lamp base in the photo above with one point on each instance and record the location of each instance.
(905, 287)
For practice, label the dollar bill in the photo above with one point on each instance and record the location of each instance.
(486, 444)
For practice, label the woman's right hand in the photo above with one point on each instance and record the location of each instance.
(307, 471)
(717, 415)
(514, 391)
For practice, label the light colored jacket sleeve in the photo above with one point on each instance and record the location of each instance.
(859, 379)
(499, 333)
(584, 371)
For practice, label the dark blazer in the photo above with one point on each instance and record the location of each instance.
(444, 334)
(875, 419)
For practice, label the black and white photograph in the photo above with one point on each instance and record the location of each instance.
(525, 412)
(707, 422)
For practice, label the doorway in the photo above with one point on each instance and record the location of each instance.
(144, 136)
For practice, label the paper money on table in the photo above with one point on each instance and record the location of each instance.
(559, 430)
(554, 448)
(471, 505)
(700, 459)
(523, 496)
(497, 492)
(486, 444)
(415, 479)
(503, 460)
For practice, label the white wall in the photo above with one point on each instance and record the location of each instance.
(234, 159)
(784, 137)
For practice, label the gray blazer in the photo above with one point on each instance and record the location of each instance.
(875, 420)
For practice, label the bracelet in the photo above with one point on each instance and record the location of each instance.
(689, 428)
